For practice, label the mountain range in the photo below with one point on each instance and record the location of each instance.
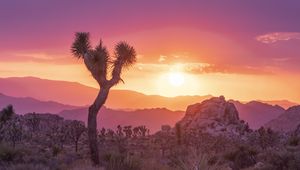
(256, 114)
(109, 118)
(23, 105)
(73, 93)
(287, 121)
(124, 107)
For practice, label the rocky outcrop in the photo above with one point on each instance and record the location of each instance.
(213, 115)
(288, 121)
(214, 109)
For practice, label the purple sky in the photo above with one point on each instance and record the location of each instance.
(259, 37)
(241, 41)
(50, 24)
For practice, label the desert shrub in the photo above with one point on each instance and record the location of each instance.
(83, 164)
(189, 159)
(26, 166)
(282, 160)
(293, 140)
(9, 154)
(154, 164)
(124, 162)
(242, 157)
(55, 150)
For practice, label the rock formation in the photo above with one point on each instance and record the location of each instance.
(213, 115)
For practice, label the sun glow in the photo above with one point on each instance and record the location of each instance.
(176, 79)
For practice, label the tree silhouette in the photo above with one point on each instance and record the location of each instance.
(5, 115)
(33, 122)
(75, 129)
(101, 64)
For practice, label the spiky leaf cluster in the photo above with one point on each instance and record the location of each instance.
(99, 62)
(81, 45)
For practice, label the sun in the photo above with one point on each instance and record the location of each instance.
(176, 79)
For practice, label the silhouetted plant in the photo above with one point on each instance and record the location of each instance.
(242, 157)
(103, 132)
(14, 131)
(75, 130)
(5, 115)
(143, 130)
(178, 133)
(8, 154)
(266, 137)
(33, 122)
(99, 63)
(128, 131)
(58, 135)
(122, 162)
(120, 131)
(136, 131)
(110, 133)
(294, 140)
(281, 159)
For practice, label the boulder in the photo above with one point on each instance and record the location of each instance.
(212, 111)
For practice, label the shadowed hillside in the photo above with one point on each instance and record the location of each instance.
(24, 105)
(257, 113)
(77, 94)
(108, 118)
(287, 121)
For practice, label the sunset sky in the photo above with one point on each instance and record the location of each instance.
(240, 49)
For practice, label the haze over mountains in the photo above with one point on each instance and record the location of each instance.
(257, 113)
(72, 93)
(48, 96)
(287, 121)
(23, 105)
(110, 118)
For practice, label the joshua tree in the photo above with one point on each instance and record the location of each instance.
(100, 63)
(128, 131)
(143, 130)
(33, 122)
(119, 131)
(75, 130)
(178, 133)
(14, 130)
(5, 115)
(136, 131)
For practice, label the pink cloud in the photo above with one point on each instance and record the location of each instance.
(278, 36)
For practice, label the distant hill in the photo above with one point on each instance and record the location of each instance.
(109, 118)
(24, 105)
(287, 121)
(73, 93)
(257, 113)
(283, 103)
(61, 91)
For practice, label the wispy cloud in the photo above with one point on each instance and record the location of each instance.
(201, 68)
(38, 57)
(278, 36)
(162, 58)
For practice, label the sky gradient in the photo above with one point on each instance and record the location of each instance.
(241, 49)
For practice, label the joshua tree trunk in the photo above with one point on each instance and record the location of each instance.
(92, 123)
(100, 64)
